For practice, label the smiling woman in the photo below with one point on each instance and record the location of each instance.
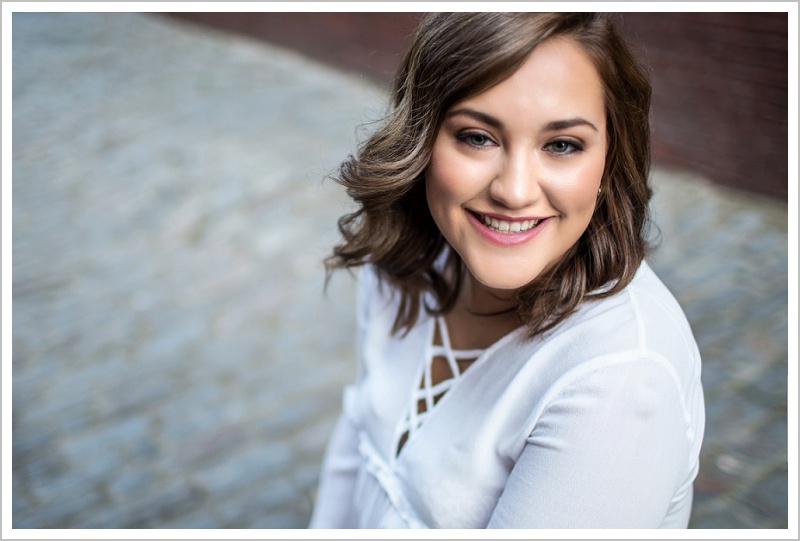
(530, 149)
(517, 355)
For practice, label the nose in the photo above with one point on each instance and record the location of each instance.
(516, 184)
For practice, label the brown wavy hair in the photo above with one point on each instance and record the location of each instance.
(454, 56)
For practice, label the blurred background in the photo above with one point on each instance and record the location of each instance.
(176, 360)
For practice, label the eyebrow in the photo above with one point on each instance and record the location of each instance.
(555, 125)
(477, 115)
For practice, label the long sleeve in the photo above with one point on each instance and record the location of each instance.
(334, 503)
(333, 507)
(611, 450)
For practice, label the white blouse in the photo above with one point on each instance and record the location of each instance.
(596, 424)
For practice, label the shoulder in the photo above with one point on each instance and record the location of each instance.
(643, 317)
(636, 343)
(640, 332)
(662, 328)
(375, 297)
(378, 304)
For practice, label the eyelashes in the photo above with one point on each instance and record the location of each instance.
(476, 139)
(564, 146)
(558, 147)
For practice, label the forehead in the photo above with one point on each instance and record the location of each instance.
(557, 79)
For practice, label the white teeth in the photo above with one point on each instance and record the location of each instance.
(509, 227)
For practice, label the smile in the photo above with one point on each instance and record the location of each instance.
(506, 232)
(503, 226)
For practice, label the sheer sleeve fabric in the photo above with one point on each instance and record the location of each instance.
(333, 507)
(609, 451)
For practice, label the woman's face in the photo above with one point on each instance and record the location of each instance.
(515, 171)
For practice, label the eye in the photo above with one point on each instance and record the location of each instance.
(563, 146)
(475, 139)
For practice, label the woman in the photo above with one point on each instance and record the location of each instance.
(520, 364)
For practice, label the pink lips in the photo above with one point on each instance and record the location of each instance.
(505, 239)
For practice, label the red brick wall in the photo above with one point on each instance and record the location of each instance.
(720, 80)
(370, 44)
(720, 94)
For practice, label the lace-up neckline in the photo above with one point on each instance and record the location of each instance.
(441, 370)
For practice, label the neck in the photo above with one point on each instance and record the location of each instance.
(481, 316)
(477, 298)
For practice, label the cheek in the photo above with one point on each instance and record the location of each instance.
(446, 181)
(578, 192)
(436, 189)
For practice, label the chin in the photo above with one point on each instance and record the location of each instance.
(505, 282)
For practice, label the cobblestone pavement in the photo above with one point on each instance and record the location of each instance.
(176, 363)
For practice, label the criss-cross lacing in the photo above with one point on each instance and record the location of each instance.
(425, 397)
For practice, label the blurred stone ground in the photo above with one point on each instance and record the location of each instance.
(176, 363)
